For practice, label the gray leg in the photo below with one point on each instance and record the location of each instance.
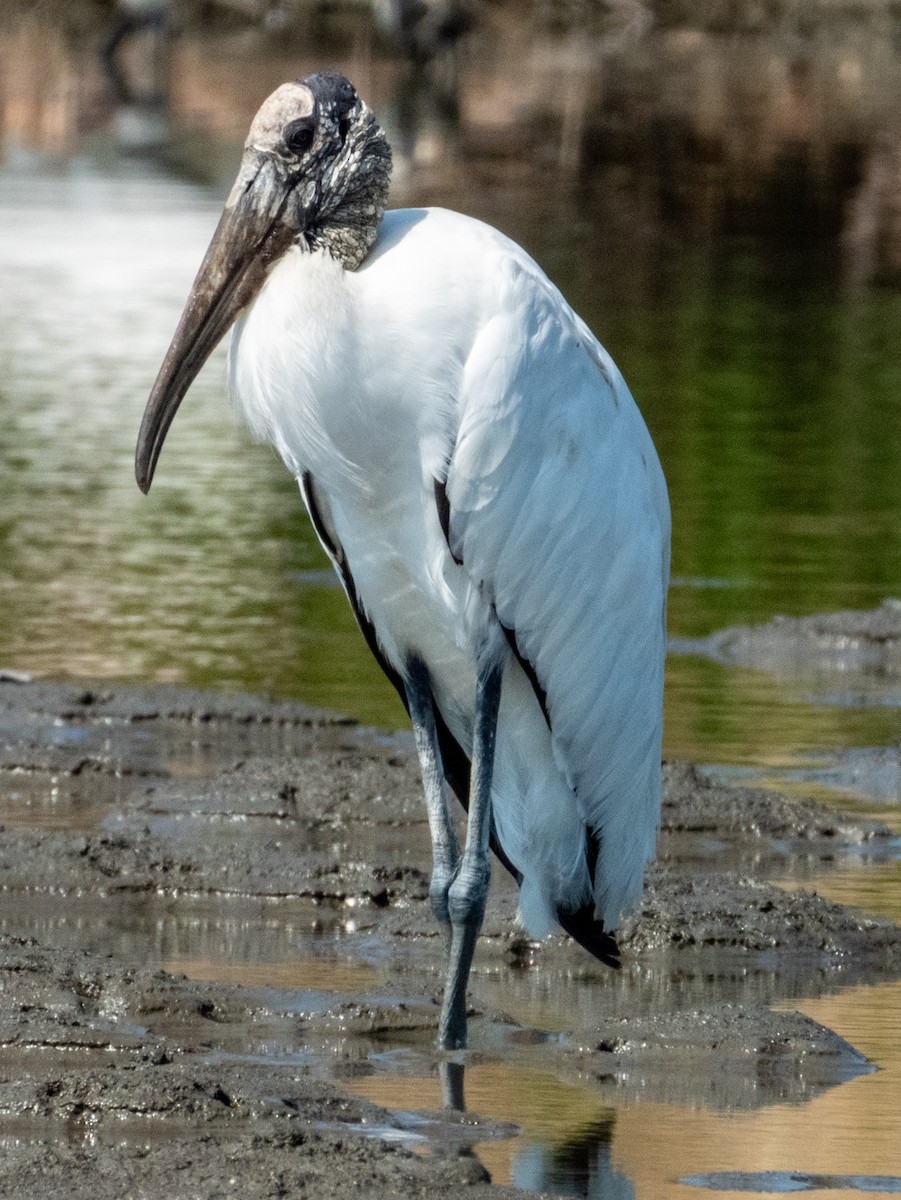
(466, 897)
(445, 848)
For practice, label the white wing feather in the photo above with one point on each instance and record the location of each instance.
(449, 350)
(559, 511)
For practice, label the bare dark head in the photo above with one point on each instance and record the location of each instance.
(314, 174)
(330, 160)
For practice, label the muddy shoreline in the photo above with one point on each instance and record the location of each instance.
(864, 641)
(128, 810)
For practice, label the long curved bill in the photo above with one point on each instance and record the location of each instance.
(250, 236)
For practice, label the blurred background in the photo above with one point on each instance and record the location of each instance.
(716, 188)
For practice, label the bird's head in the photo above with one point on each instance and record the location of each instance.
(314, 173)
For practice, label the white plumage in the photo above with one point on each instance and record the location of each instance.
(478, 471)
(450, 355)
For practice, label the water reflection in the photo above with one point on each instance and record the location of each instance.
(580, 1166)
(566, 1131)
(792, 1181)
(579, 1139)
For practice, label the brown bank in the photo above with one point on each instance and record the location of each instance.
(131, 818)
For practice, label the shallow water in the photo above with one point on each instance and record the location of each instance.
(768, 368)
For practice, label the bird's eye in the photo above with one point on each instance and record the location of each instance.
(299, 135)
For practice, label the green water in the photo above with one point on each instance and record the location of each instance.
(771, 384)
(773, 398)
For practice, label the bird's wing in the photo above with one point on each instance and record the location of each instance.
(456, 763)
(558, 510)
(324, 528)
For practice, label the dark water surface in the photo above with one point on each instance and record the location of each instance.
(724, 214)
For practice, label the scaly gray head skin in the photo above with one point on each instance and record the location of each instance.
(314, 174)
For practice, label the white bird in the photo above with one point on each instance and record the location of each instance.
(483, 482)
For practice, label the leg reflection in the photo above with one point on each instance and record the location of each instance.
(451, 1076)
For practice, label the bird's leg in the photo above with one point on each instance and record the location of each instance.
(445, 848)
(466, 898)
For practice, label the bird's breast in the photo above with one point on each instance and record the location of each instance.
(322, 371)
(301, 371)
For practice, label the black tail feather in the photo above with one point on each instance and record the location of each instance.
(585, 928)
(582, 925)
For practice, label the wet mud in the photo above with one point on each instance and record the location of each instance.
(866, 641)
(274, 860)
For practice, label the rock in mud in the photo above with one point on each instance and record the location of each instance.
(868, 641)
(724, 1055)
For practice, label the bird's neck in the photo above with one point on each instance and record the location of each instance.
(348, 243)
(354, 198)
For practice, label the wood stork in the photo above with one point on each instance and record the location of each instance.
(481, 478)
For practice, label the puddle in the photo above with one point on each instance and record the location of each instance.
(388, 1133)
(29, 801)
(862, 782)
(870, 773)
(778, 1182)
(305, 975)
(561, 1136)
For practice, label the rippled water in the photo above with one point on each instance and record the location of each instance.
(769, 374)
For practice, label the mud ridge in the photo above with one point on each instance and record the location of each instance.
(133, 818)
